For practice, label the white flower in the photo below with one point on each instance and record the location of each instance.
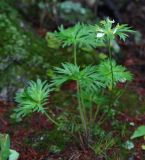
(123, 80)
(113, 21)
(132, 123)
(99, 35)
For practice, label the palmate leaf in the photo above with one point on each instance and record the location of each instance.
(120, 74)
(80, 35)
(107, 31)
(122, 31)
(87, 78)
(68, 71)
(32, 98)
(94, 97)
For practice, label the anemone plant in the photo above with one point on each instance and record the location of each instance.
(91, 81)
(108, 31)
(78, 36)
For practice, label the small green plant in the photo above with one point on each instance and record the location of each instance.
(108, 33)
(93, 82)
(5, 152)
(103, 144)
(139, 132)
(33, 99)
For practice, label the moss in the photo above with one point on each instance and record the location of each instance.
(24, 55)
(54, 141)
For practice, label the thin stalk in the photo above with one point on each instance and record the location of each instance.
(78, 91)
(110, 60)
(90, 120)
(96, 113)
(121, 93)
(75, 54)
(83, 105)
(52, 120)
(84, 111)
(102, 118)
(98, 108)
(91, 113)
(81, 108)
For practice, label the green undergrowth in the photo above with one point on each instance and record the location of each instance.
(94, 100)
(53, 141)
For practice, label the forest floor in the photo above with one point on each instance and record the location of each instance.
(135, 61)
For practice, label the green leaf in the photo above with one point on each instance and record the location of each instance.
(106, 30)
(139, 132)
(120, 74)
(87, 77)
(4, 146)
(80, 35)
(13, 155)
(67, 72)
(32, 99)
(143, 147)
(5, 151)
(52, 40)
(95, 97)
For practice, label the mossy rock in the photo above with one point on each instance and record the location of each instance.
(24, 55)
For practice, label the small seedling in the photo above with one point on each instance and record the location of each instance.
(5, 152)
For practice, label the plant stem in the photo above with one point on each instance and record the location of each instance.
(53, 121)
(91, 110)
(96, 113)
(110, 60)
(81, 107)
(84, 111)
(102, 118)
(79, 97)
(75, 54)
